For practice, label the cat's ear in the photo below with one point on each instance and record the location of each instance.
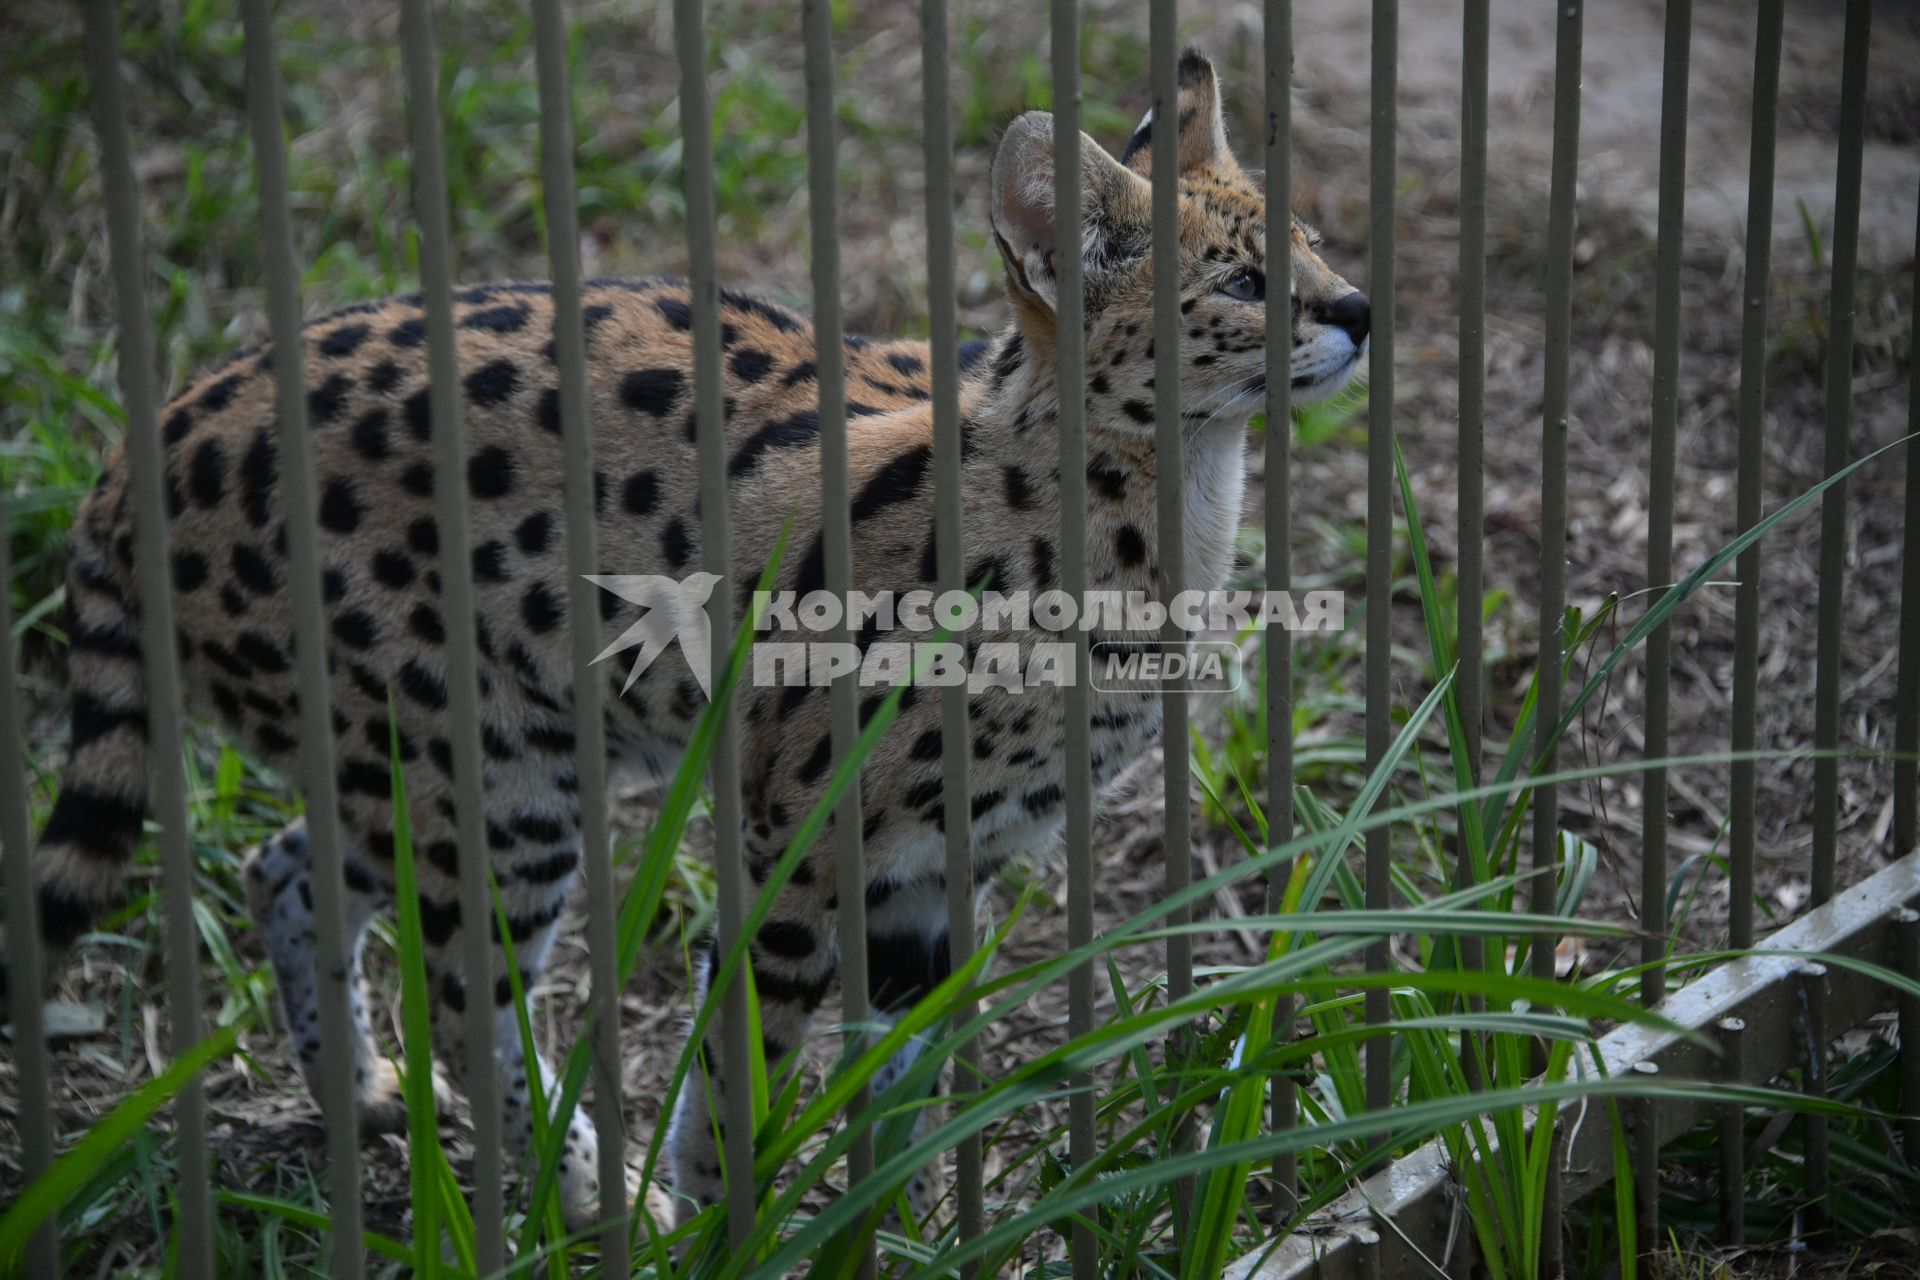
(1115, 203)
(1202, 124)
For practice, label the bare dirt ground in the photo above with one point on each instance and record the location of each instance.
(267, 1136)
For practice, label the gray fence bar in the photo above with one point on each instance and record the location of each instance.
(1470, 591)
(26, 966)
(696, 124)
(836, 535)
(463, 662)
(1833, 556)
(950, 563)
(1169, 457)
(1906, 698)
(147, 472)
(1666, 409)
(1750, 466)
(1381, 198)
(333, 949)
(1170, 514)
(589, 722)
(1731, 1032)
(1839, 415)
(1470, 663)
(1070, 353)
(1907, 931)
(1553, 520)
(1279, 499)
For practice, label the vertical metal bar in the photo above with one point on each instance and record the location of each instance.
(1381, 203)
(1839, 415)
(696, 123)
(332, 948)
(1646, 1165)
(1833, 555)
(589, 723)
(950, 557)
(1553, 461)
(1666, 410)
(1906, 698)
(836, 535)
(1748, 469)
(1907, 942)
(1170, 515)
(1070, 354)
(1733, 1153)
(1470, 585)
(1169, 459)
(1470, 676)
(1279, 498)
(1813, 1083)
(25, 971)
(1553, 520)
(463, 663)
(194, 1221)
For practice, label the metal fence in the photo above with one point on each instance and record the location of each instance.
(137, 372)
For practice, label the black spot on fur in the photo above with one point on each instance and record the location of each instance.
(253, 570)
(547, 412)
(423, 535)
(1107, 478)
(343, 341)
(788, 939)
(340, 507)
(676, 311)
(1019, 491)
(492, 384)
(497, 319)
(792, 432)
(1139, 411)
(356, 629)
(385, 377)
(490, 473)
(189, 571)
(534, 533)
(424, 621)
(418, 480)
(676, 544)
(423, 686)
(490, 562)
(1130, 546)
(641, 492)
(392, 568)
(208, 476)
(179, 422)
(408, 333)
(898, 481)
(1043, 563)
(651, 391)
(749, 364)
(262, 653)
(220, 394)
(418, 409)
(370, 435)
(542, 608)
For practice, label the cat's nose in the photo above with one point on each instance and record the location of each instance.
(1351, 313)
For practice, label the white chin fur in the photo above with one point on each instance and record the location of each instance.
(1326, 366)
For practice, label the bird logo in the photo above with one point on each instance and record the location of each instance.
(669, 608)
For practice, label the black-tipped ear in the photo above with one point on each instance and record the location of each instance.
(1203, 126)
(1112, 199)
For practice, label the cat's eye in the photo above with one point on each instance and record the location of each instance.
(1246, 286)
